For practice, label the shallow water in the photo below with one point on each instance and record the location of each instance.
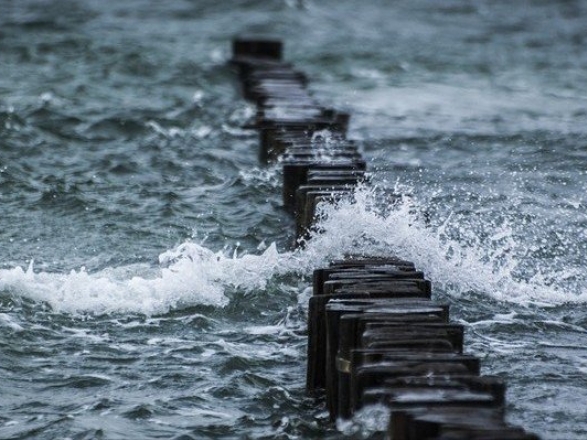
(148, 288)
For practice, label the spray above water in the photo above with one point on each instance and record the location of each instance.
(369, 224)
(489, 265)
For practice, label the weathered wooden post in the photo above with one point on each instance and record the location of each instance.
(374, 333)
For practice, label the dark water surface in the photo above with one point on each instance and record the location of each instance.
(147, 284)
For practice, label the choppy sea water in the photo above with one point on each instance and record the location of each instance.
(148, 287)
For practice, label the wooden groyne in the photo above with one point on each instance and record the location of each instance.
(375, 335)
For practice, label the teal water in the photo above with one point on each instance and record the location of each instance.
(148, 288)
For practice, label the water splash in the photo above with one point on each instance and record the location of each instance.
(367, 224)
(487, 263)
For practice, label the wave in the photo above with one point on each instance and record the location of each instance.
(368, 224)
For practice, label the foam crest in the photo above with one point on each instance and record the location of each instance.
(190, 274)
(104, 292)
(368, 224)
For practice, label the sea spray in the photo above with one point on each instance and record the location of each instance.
(487, 264)
(365, 224)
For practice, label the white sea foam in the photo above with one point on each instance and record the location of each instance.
(267, 176)
(6, 321)
(199, 132)
(192, 274)
(104, 292)
(458, 266)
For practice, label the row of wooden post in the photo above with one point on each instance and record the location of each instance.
(375, 336)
